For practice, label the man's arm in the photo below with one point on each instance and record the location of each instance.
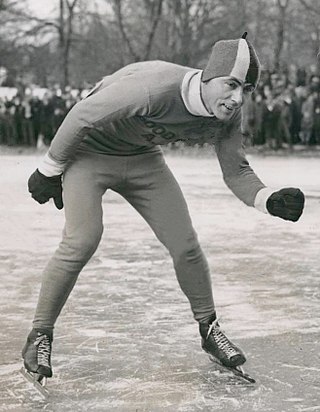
(121, 99)
(287, 203)
(237, 173)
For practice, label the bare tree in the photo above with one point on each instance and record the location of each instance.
(191, 28)
(65, 29)
(66, 19)
(310, 6)
(313, 12)
(282, 8)
(28, 27)
(78, 41)
(153, 9)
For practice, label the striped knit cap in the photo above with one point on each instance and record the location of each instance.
(236, 58)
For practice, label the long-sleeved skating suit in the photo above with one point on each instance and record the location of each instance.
(110, 140)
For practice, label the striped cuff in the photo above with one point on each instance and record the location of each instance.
(50, 167)
(260, 202)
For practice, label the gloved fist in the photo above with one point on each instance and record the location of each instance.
(43, 188)
(287, 203)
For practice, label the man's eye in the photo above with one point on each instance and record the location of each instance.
(232, 85)
(248, 88)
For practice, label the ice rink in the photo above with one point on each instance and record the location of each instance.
(126, 340)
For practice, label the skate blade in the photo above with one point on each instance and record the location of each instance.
(236, 370)
(38, 381)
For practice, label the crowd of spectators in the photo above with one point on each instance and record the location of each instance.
(29, 118)
(284, 111)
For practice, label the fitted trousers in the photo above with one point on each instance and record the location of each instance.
(146, 182)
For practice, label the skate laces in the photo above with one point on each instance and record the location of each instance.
(44, 350)
(221, 340)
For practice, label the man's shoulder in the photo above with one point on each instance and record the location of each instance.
(155, 66)
(155, 72)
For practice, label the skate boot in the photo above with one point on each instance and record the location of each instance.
(37, 353)
(218, 346)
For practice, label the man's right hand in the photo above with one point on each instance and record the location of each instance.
(43, 188)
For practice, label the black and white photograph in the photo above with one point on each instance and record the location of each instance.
(160, 205)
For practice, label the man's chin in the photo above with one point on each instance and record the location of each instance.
(224, 116)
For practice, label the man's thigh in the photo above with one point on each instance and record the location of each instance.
(154, 192)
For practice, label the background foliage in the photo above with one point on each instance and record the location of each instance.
(80, 41)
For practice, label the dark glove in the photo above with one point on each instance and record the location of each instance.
(43, 188)
(287, 203)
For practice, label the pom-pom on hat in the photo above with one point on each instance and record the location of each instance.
(235, 58)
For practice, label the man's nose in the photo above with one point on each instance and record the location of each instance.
(237, 96)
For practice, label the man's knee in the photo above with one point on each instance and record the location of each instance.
(194, 254)
(82, 245)
(189, 251)
(88, 246)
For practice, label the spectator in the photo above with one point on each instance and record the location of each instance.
(298, 95)
(47, 123)
(310, 130)
(27, 123)
(3, 120)
(285, 110)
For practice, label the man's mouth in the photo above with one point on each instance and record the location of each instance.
(228, 107)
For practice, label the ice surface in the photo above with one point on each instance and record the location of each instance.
(126, 340)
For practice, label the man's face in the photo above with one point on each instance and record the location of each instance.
(223, 95)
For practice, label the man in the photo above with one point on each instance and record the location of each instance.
(110, 140)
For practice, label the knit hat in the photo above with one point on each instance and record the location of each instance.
(235, 58)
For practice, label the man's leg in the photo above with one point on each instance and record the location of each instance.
(83, 189)
(82, 193)
(155, 194)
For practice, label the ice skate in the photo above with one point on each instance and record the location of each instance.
(221, 350)
(37, 359)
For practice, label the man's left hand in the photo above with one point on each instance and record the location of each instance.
(287, 204)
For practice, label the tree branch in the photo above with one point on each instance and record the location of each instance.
(155, 22)
(28, 17)
(118, 9)
(309, 7)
